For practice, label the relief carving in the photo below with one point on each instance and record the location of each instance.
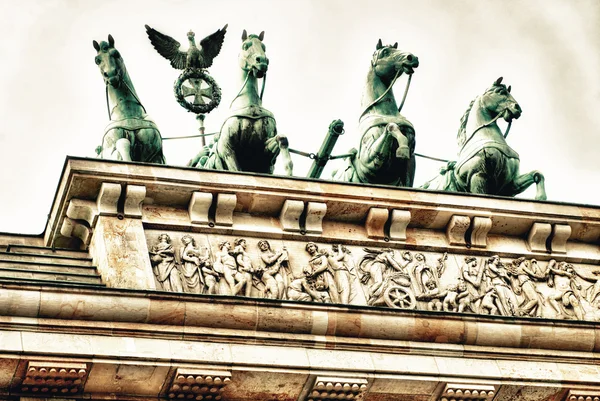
(162, 256)
(193, 260)
(386, 278)
(341, 274)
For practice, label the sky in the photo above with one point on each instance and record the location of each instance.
(52, 102)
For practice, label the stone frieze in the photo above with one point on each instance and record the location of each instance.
(374, 276)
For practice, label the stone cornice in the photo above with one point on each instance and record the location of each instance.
(171, 194)
(238, 319)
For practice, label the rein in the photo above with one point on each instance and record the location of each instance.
(492, 121)
(374, 102)
(121, 80)
(262, 90)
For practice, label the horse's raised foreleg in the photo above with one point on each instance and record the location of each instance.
(522, 182)
(123, 146)
(116, 145)
(279, 145)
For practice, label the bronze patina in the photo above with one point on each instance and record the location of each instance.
(486, 164)
(248, 140)
(194, 82)
(131, 134)
(386, 150)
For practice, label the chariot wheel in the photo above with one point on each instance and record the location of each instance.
(202, 90)
(399, 297)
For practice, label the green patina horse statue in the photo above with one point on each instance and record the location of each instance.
(386, 151)
(248, 140)
(486, 164)
(131, 135)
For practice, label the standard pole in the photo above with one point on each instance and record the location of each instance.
(336, 128)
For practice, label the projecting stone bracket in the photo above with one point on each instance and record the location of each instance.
(296, 216)
(290, 214)
(546, 237)
(480, 227)
(225, 206)
(560, 236)
(315, 213)
(198, 384)
(538, 235)
(134, 198)
(463, 230)
(54, 379)
(467, 392)
(82, 214)
(337, 388)
(72, 228)
(381, 224)
(199, 207)
(456, 230)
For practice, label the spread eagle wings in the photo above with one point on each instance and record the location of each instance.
(168, 47)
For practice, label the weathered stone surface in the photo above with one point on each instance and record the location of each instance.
(119, 250)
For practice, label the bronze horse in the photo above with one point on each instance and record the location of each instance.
(248, 140)
(131, 135)
(486, 164)
(386, 150)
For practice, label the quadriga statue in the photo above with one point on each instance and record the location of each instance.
(131, 135)
(486, 164)
(386, 151)
(248, 140)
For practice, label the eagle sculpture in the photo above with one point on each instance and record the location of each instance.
(168, 47)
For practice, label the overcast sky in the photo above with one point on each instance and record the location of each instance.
(52, 101)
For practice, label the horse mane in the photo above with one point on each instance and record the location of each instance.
(461, 136)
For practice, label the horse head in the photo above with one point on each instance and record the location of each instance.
(497, 100)
(252, 57)
(110, 62)
(389, 62)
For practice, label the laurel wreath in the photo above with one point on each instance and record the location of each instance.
(196, 73)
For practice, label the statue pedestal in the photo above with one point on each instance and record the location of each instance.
(297, 289)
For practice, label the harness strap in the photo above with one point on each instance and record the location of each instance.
(374, 102)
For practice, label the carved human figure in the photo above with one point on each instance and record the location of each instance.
(226, 263)
(162, 256)
(211, 278)
(472, 277)
(592, 293)
(566, 290)
(425, 273)
(275, 267)
(433, 296)
(321, 271)
(338, 259)
(375, 269)
(522, 273)
(192, 260)
(498, 278)
(489, 302)
(244, 265)
(307, 289)
(454, 294)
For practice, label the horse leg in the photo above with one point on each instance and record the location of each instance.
(279, 145)
(478, 183)
(149, 143)
(123, 147)
(522, 182)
